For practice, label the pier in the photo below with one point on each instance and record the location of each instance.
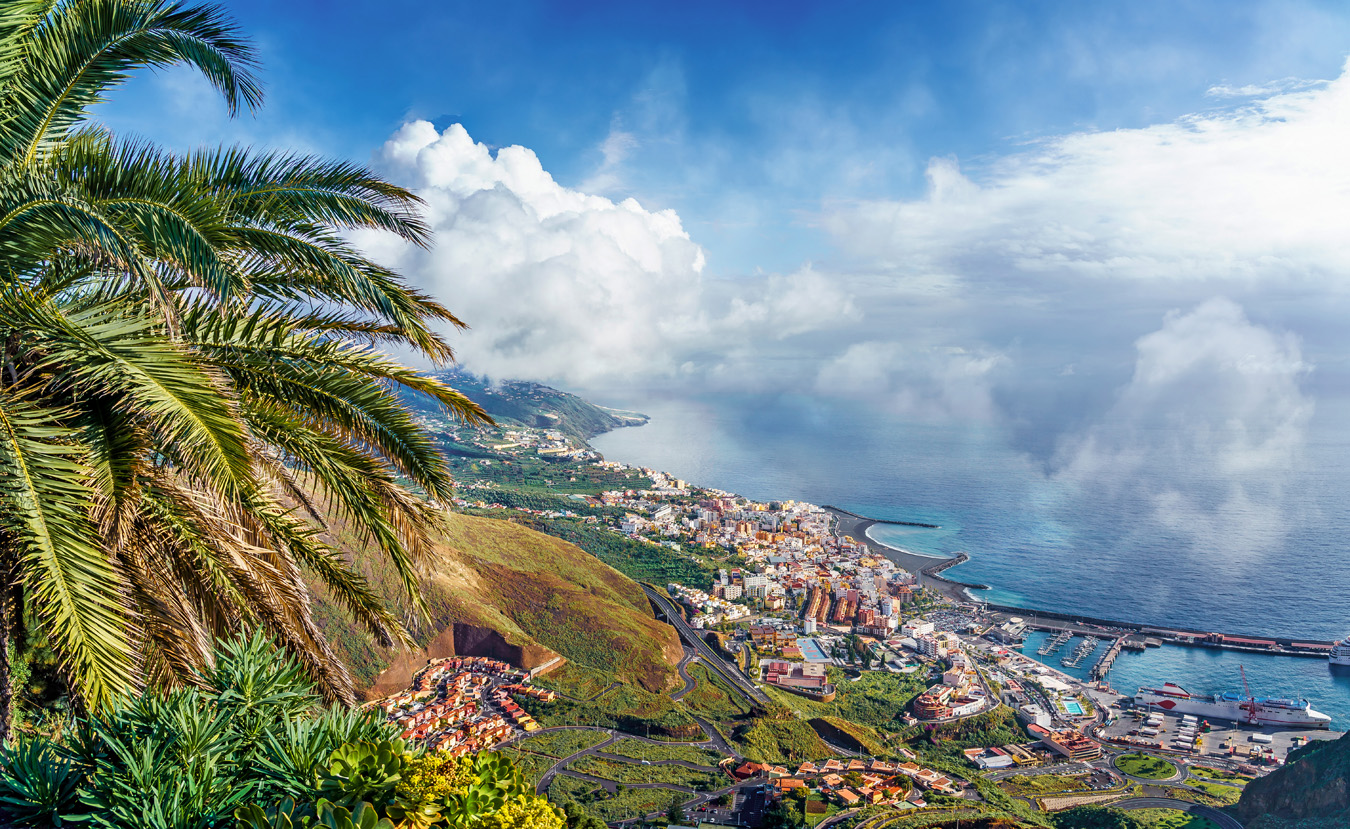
(1108, 659)
(1054, 643)
(1083, 651)
(935, 570)
(885, 521)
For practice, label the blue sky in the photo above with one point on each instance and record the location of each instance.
(1101, 244)
(743, 117)
(1074, 223)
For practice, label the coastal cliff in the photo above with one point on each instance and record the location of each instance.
(1312, 790)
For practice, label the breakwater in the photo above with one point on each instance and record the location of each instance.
(934, 570)
(1276, 645)
(885, 521)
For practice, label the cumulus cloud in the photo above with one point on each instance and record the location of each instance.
(1205, 434)
(559, 284)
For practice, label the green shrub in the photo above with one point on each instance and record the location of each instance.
(37, 785)
(253, 748)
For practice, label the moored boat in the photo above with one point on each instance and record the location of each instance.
(1271, 711)
(1340, 652)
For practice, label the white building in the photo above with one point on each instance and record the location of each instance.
(915, 628)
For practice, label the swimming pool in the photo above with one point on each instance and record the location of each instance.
(1072, 707)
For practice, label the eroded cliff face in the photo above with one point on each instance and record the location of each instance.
(1313, 786)
(459, 639)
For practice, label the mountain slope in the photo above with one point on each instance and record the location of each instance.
(535, 405)
(1311, 791)
(495, 588)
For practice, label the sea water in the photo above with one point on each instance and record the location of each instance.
(1208, 671)
(1035, 542)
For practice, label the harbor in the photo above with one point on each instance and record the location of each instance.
(1207, 671)
(930, 570)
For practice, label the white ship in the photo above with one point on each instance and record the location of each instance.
(1234, 707)
(1340, 652)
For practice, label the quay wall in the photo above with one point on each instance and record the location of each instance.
(884, 520)
(1169, 634)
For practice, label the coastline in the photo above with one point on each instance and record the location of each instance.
(924, 567)
(927, 569)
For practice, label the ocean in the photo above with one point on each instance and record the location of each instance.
(1274, 565)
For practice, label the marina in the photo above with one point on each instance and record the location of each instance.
(1054, 643)
(1213, 671)
(1083, 651)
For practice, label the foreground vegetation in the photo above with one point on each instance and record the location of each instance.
(253, 747)
(188, 356)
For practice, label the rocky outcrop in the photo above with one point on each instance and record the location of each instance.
(1312, 789)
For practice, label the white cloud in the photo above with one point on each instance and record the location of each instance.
(1206, 433)
(1253, 193)
(563, 285)
(1260, 90)
(930, 383)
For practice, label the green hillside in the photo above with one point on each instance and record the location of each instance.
(499, 589)
(536, 405)
(1311, 791)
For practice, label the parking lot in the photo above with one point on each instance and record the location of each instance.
(1222, 736)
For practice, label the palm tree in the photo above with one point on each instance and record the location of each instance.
(193, 403)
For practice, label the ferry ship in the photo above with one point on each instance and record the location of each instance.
(1284, 713)
(1340, 652)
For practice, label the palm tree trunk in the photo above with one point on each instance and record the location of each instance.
(6, 685)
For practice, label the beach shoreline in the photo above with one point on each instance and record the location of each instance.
(922, 566)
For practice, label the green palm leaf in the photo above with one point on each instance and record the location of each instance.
(84, 47)
(66, 578)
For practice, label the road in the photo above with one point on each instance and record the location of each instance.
(683, 670)
(714, 661)
(1224, 820)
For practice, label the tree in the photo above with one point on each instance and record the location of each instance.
(675, 812)
(578, 818)
(190, 392)
(780, 816)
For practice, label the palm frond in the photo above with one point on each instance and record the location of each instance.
(68, 581)
(109, 351)
(85, 47)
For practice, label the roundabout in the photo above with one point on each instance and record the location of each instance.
(1140, 766)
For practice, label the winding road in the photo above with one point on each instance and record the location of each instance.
(665, 607)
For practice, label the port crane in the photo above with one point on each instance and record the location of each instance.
(1250, 705)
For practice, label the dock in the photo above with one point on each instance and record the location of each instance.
(1054, 643)
(1109, 658)
(1083, 651)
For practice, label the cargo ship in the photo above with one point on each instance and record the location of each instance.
(1232, 706)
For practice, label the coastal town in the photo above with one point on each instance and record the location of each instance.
(796, 599)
